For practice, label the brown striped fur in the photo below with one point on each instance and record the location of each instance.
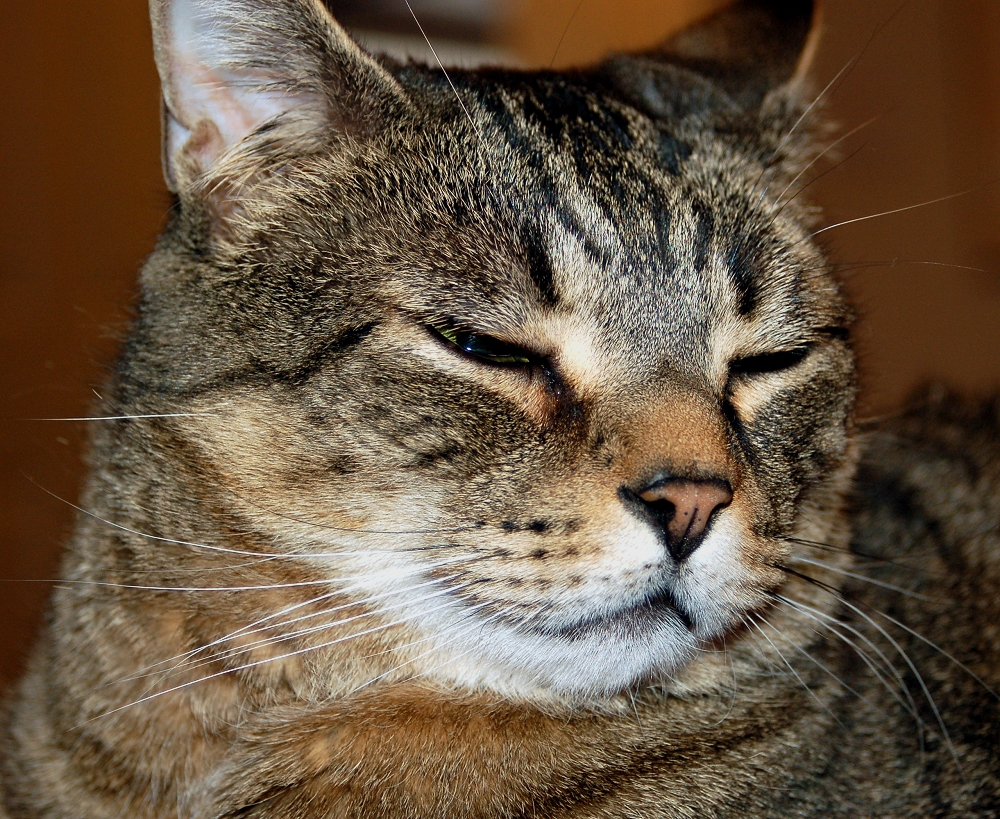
(379, 535)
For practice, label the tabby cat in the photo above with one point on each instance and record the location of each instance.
(484, 447)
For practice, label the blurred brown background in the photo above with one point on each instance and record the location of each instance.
(81, 200)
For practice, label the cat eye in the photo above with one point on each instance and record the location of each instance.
(769, 362)
(485, 348)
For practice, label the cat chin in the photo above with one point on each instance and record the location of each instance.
(595, 661)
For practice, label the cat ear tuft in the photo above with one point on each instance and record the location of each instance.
(734, 58)
(230, 68)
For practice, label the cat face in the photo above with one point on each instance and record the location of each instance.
(540, 372)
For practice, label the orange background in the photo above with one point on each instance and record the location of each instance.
(81, 200)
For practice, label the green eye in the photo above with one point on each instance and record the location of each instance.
(485, 348)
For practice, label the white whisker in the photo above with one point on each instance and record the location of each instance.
(938, 649)
(444, 71)
(929, 202)
(920, 680)
(834, 626)
(259, 626)
(222, 656)
(133, 417)
(872, 581)
(819, 156)
(208, 547)
(437, 647)
(255, 664)
(251, 629)
(848, 67)
(255, 587)
(906, 659)
(795, 673)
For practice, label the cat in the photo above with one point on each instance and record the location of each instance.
(484, 446)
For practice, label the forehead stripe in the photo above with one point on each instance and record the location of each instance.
(743, 262)
(539, 265)
(704, 232)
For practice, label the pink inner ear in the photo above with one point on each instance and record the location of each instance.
(230, 67)
(212, 101)
(204, 93)
(213, 110)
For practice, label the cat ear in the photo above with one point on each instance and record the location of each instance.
(751, 47)
(230, 68)
(745, 51)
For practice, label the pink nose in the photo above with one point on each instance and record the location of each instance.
(683, 509)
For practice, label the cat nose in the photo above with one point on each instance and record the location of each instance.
(683, 509)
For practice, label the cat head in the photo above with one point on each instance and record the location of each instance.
(540, 370)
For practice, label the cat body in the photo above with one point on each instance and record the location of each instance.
(485, 447)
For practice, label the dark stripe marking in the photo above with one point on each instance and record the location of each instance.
(744, 270)
(704, 232)
(538, 263)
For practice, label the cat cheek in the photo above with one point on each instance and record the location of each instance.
(531, 395)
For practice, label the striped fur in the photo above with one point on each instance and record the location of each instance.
(406, 358)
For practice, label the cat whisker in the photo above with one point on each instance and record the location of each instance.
(836, 627)
(736, 686)
(247, 553)
(817, 178)
(444, 71)
(772, 669)
(635, 709)
(864, 579)
(819, 545)
(401, 621)
(922, 638)
(251, 587)
(259, 625)
(257, 663)
(844, 72)
(818, 157)
(879, 215)
(791, 668)
(447, 531)
(461, 628)
(210, 569)
(251, 628)
(902, 654)
(476, 625)
(869, 560)
(448, 590)
(157, 538)
(223, 656)
(847, 67)
(938, 649)
(822, 666)
(852, 266)
(297, 584)
(565, 31)
(132, 417)
(433, 637)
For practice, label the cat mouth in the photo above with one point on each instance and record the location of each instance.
(658, 610)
